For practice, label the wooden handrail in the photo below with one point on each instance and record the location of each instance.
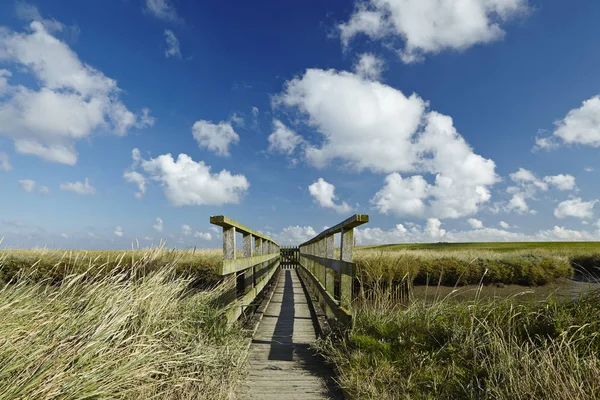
(352, 222)
(319, 267)
(252, 271)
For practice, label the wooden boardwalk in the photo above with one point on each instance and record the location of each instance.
(281, 364)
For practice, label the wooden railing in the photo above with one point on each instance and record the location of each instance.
(332, 279)
(252, 270)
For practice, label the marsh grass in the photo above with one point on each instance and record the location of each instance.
(481, 349)
(114, 327)
(462, 267)
(53, 265)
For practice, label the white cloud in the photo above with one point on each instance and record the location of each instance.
(29, 13)
(172, 44)
(475, 223)
(118, 231)
(64, 236)
(283, 139)
(369, 66)
(528, 184)
(186, 182)
(432, 232)
(215, 229)
(431, 26)
(588, 169)
(504, 225)
(575, 208)
(369, 125)
(138, 179)
(162, 9)
(580, 126)
(158, 226)
(78, 187)
(186, 229)
(69, 101)
(215, 137)
(294, 235)
(561, 182)
(44, 190)
(323, 194)
(203, 235)
(4, 162)
(27, 185)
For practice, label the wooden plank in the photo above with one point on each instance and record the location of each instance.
(281, 364)
(339, 266)
(240, 264)
(352, 222)
(226, 222)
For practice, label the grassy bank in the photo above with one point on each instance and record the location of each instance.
(54, 265)
(504, 349)
(529, 264)
(101, 334)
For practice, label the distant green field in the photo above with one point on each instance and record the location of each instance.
(492, 246)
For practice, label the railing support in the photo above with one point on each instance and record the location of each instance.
(319, 268)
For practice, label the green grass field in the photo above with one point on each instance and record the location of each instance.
(494, 246)
(149, 324)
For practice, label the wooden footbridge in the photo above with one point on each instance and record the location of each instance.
(294, 294)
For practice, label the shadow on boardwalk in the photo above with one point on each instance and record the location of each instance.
(281, 364)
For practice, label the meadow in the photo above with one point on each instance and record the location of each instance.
(115, 325)
(149, 323)
(454, 346)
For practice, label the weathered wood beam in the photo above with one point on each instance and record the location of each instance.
(352, 222)
(226, 222)
(240, 264)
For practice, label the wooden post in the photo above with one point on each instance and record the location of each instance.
(248, 274)
(330, 277)
(229, 243)
(346, 280)
(258, 250)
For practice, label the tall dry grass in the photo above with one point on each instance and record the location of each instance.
(122, 333)
(526, 267)
(481, 349)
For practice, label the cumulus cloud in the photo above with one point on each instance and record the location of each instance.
(369, 125)
(419, 234)
(186, 229)
(162, 9)
(69, 101)
(158, 226)
(78, 187)
(139, 180)
(504, 225)
(283, 139)
(431, 26)
(172, 44)
(44, 190)
(323, 194)
(27, 185)
(118, 231)
(475, 223)
(203, 235)
(369, 66)
(528, 185)
(4, 162)
(186, 182)
(580, 126)
(215, 137)
(575, 207)
(294, 235)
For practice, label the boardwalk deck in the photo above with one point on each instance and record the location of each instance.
(281, 364)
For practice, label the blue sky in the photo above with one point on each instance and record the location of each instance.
(442, 124)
